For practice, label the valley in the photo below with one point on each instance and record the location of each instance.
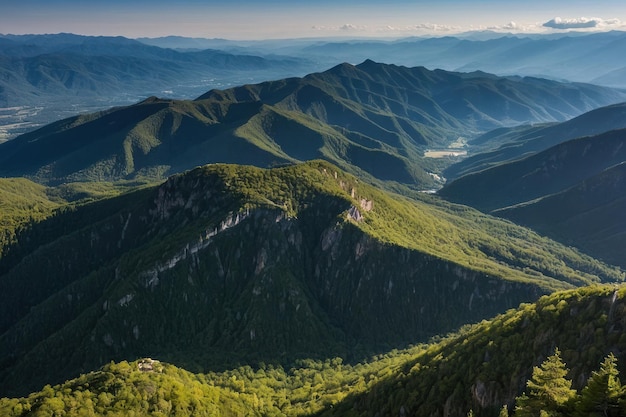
(17, 120)
(442, 153)
(402, 379)
(265, 232)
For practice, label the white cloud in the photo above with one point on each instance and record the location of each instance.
(350, 27)
(513, 27)
(434, 27)
(580, 23)
(388, 29)
(410, 30)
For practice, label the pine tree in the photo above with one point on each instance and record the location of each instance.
(504, 412)
(603, 392)
(548, 389)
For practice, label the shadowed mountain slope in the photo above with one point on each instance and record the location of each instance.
(589, 215)
(572, 192)
(488, 366)
(509, 144)
(544, 173)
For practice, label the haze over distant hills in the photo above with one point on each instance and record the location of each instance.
(590, 58)
(49, 77)
(583, 57)
(54, 76)
(53, 66)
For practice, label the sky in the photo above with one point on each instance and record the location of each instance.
(276, 19)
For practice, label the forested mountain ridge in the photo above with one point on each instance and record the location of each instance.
(481, 368)
(371, 119)
(488, 366)
(587, 215)
(276, 285)
(229, 263)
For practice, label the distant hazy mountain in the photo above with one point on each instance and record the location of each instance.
(41, 68)
(615, 77)
(370, 119)
(575, 57)
(57, 75)
(230, 263)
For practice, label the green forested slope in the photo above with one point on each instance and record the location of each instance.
(572, 192)
(481, 368)
(229, 264)
(488, 366)
(24, 203)
(21, 203)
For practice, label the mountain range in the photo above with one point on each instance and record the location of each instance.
(588, 58)
(48, 77)
(269, 247)
(509, 144)
(583, 57)
(44, 78)
(48, 67)
(371, 119)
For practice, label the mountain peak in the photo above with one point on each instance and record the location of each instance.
(368, 63)
(151, 100)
